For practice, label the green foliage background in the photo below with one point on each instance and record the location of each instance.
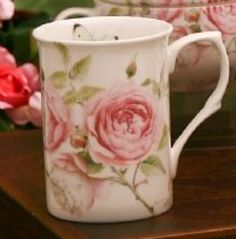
(50, 6)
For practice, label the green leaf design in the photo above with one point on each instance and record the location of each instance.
(6, 126)
(58, 79)
(147, 82)
(131, 69)
(129, 2)
(80, 68)
(70, 98)
(164, 138)
(92, 167)
(86, 92)
(63, 51)
(152, 166)
(195, 27)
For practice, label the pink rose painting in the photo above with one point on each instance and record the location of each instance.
(123, 125)
(169, 14)
(73, 190)
(58, 120)
(221, 17)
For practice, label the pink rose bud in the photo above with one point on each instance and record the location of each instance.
(78, 141)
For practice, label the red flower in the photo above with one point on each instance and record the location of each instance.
(14, 88)
(19, 90)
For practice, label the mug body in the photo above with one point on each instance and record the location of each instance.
(197, 67)
(106, 118)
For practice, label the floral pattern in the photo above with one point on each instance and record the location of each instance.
(73, 189)
(219, 18)
(98, 138)
(163, 3)
(123, 125)
(197, 17)
(20, 95)
(59, 126)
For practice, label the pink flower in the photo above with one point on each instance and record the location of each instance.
(221, 17)
(6, 9)
(167, 13)
(32, 75)
(17, 84)
(14, 88)
(123, 125)
(28, 113)
(19, 90)
(79, 188)
(58, 120)
(76, 194)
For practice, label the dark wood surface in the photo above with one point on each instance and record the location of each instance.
(204, 197)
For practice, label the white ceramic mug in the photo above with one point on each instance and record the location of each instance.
(108, 155)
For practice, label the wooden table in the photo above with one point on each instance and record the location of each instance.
(204, 206)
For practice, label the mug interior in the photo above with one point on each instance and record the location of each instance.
(102, 30)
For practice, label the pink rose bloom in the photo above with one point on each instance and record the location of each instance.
(28, 113)
(221, 17)
(77, 192)
(79, 188)
(58, 120)
(14, 88)
(22, 99)
(19, 90)
(6, 9)
(32, 75)
(167, 13)
(123, 125)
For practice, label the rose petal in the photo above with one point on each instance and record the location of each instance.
(31, 73)
(20, 115)
(35, 101)
(4, 105)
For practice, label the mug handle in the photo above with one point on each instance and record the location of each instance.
(214, 101)
(75, 11)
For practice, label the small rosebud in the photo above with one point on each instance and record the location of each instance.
(77, 141)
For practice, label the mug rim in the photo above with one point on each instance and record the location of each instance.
(39, 36)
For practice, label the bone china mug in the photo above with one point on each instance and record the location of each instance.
(108, 156)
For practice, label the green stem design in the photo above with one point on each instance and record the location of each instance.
(123, 181)
(135, 175)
